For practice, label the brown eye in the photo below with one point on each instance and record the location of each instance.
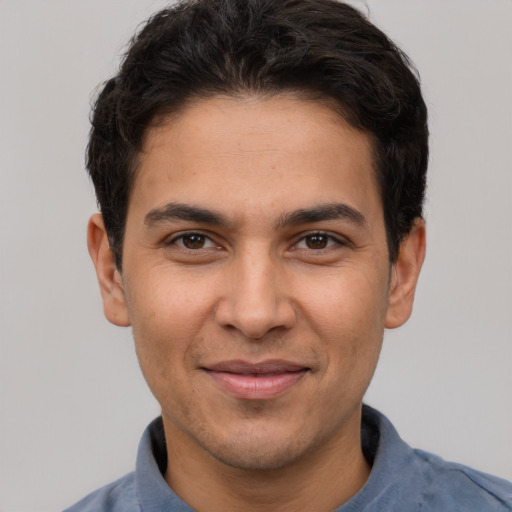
(193, 241)
(193, 247)
(317, 241)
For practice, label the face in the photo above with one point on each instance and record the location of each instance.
(256, 277)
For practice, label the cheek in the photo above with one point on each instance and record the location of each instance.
(347, 303)
(167, 317)
(170, 301)
(348, 318)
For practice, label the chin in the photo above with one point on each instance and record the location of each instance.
(258, 453)
(256, 458)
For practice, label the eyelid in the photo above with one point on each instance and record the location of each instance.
(338, 239)
(171, 240)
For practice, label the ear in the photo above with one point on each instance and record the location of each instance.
(109, 278)
(404, 276)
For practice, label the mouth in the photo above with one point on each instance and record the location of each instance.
(260, 381)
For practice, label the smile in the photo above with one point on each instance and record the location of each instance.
(260, 381)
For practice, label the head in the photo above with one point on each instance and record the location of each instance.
(319, 50)
(260, 169)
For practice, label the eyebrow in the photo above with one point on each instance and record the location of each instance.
(323, 212)
(179, 211)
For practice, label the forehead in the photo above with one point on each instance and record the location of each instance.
(250, 153)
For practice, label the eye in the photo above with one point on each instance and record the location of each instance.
(317, 241)
(194, 241)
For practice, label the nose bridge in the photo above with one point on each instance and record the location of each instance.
(256, 301)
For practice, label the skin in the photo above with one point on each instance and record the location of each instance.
(263, 284)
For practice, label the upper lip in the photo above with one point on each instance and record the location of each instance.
(244, 367)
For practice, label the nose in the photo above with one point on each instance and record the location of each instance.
(256, 301)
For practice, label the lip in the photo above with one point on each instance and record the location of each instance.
(256, 381)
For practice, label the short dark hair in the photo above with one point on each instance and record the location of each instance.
(320, 49)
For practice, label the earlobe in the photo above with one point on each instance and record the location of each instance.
(109, 277)
(404, 276)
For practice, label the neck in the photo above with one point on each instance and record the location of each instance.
(320, 481)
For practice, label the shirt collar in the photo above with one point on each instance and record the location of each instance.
(381, 444)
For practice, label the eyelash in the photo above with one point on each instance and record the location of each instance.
(191, 234)
(330, 241)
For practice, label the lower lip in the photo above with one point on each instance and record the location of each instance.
(256, 387)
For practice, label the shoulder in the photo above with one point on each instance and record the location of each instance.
(119, 496)
(404, 479)
(451, 483)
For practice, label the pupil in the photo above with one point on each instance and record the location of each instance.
(193, 241)
(317, 241)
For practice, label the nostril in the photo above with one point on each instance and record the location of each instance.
(254, 324)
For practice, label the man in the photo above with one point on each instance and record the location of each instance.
(260, 170)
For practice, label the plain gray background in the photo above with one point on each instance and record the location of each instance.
(72, 401)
